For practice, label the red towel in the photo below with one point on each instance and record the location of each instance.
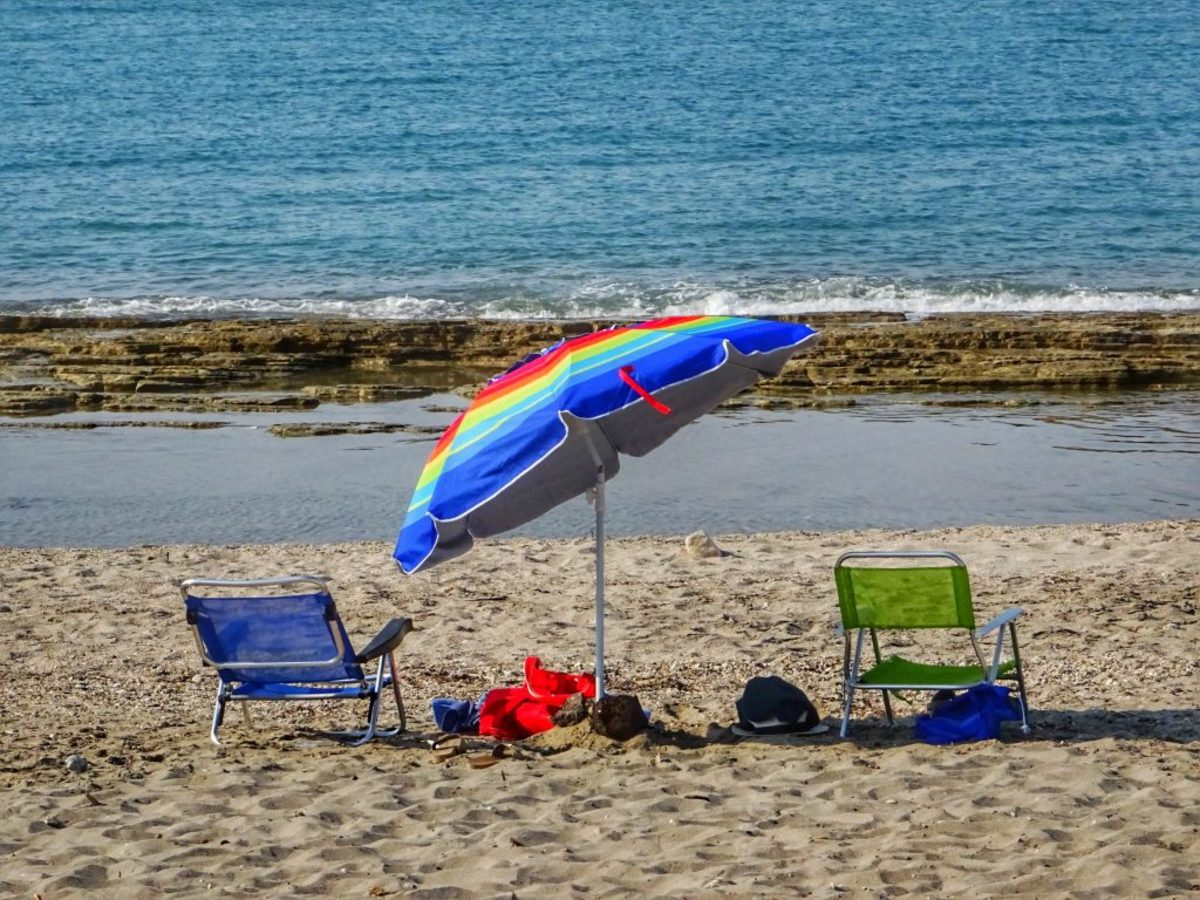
(513, 713)
(543, 684)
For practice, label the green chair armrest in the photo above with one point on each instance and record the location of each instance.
(999, 622)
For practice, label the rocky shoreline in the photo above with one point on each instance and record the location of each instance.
(136, 366)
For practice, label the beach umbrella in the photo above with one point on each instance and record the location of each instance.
(554, 425)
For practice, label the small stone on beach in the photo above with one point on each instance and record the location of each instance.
(76, 763)
(700, 546)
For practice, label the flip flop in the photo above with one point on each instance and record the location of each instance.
(485, 760)
(446, 747)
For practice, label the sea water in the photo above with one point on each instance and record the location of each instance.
(431, 159)
(618, 159)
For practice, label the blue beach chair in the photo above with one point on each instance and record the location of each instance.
(282, 639)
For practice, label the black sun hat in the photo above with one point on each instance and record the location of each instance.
(770, 705)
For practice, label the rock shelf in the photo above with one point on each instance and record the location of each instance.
(53, 365)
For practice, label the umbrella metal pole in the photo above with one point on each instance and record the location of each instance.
(599, 499)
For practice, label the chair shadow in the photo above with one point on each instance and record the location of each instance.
(1179, 726)
(1176, 726)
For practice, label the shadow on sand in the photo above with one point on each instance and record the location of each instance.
(1177, 726)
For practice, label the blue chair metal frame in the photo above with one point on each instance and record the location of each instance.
(277, 639)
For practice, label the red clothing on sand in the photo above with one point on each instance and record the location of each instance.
(513, 713)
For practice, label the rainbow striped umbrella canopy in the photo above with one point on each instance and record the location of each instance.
(541, 433)
(554, 426)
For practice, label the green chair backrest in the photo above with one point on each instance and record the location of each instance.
(908, 596)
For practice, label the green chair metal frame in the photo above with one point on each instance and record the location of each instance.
(882, 590)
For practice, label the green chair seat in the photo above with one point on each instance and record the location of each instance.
(896, 671)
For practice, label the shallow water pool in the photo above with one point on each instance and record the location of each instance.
(889, 462)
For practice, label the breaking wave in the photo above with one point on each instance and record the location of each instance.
(628, 299)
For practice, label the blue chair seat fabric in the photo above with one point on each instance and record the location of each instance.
(357, 690)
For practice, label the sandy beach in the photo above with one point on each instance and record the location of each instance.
(1102, 799)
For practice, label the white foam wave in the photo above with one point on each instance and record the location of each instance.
(860, 295)
(638, 299)
(391, 307)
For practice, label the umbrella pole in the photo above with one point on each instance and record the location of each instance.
(599, 500)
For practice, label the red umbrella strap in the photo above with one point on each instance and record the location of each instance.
(626, 377)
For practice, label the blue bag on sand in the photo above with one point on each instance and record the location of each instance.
(456, 716)
(974, 715)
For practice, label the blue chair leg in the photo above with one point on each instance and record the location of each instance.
(380, 685)
(218, 713)
(403, 721)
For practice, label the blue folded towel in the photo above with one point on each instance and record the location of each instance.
(457, 716)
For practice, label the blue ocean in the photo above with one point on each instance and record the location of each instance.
(434, 159)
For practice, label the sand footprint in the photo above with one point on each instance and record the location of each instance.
(86, 878)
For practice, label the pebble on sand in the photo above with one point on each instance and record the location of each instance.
(699, 545)
(76, 763)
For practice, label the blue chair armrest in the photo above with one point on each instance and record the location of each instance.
(389, 638)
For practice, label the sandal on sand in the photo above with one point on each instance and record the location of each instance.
(484, 760)
(446, 747)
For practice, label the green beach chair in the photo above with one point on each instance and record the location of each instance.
(885, 591)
